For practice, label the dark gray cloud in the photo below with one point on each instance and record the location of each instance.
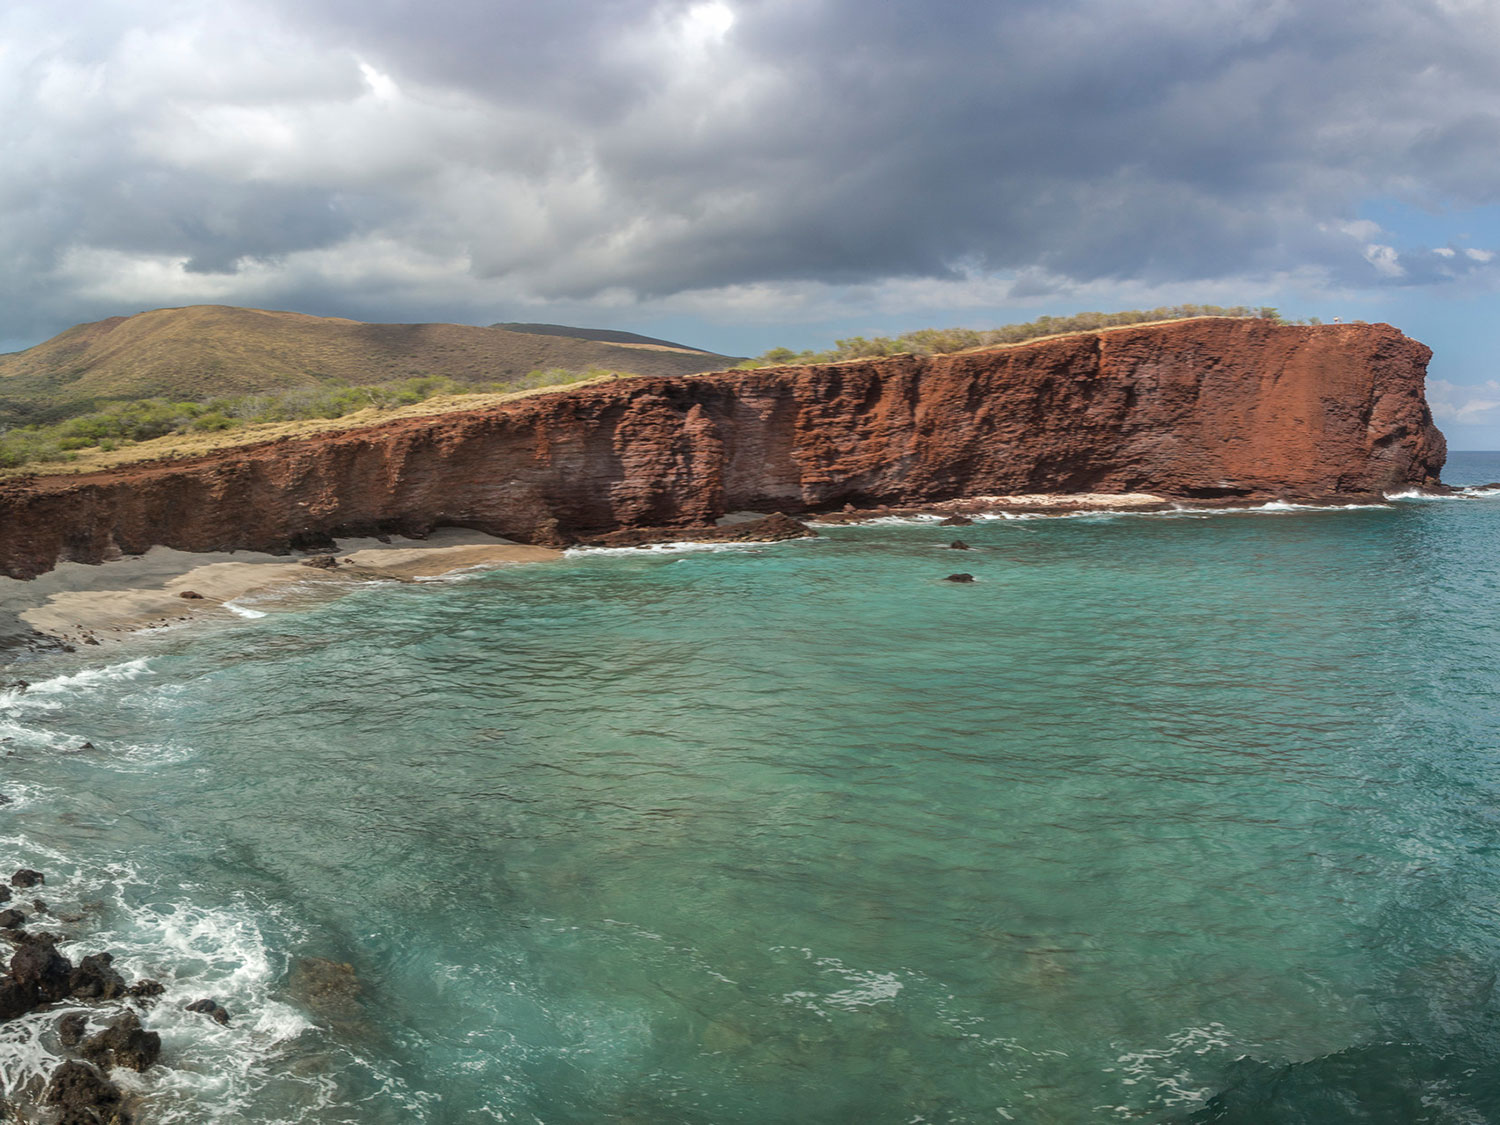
(381, 157)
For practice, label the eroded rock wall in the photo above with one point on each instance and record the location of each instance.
(1203, 408)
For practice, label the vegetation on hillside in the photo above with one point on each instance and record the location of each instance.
(203, 352)
(942, 341)
(127, 423)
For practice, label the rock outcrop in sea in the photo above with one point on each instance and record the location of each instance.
(1209, 409)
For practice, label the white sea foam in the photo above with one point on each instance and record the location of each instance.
(665, 548)
(243, 611)
(1167, 1071)
(211, 1071)
(89, 679)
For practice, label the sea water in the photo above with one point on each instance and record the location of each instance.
(1182, 817)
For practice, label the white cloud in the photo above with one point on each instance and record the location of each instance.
(762, 159)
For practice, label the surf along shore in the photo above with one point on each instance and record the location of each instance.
(107, 603)
(85, 604)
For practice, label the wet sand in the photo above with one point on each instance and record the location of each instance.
(81, 604)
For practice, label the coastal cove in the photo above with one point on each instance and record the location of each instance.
(595, 848)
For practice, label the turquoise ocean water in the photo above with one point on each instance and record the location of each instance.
(1164, 818)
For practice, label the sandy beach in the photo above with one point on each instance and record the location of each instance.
(83, 604)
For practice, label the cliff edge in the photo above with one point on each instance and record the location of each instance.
(1200, 409)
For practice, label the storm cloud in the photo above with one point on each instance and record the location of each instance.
(496, 160)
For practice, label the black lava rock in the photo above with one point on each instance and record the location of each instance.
(146, 989)
(211, 1008)
(85, 1096)
(38, 963)
(71, 1029)
(93, 979)
(959, 578)
(123, 1043)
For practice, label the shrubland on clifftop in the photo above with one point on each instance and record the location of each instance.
(1200, 409)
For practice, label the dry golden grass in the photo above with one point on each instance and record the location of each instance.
(205, 351)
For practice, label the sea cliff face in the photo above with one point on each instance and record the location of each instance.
(1202, 409)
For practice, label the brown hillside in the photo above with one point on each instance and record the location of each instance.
(207, 350)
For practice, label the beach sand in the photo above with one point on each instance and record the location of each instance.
(82, 604)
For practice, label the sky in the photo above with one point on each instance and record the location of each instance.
(743, 174)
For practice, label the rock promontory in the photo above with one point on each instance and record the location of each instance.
(1207, 409)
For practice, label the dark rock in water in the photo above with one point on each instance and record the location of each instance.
(86, 746)
(10, 919)
(123, 1043)
(94, 979)
(26, 877)
(71, 1029)
(956, 521)
(321, 562)
(959, 578)
(38, 906)
(38, 963)
(4, 800)
(191, 595)
(209, 1008)
(146, 990)
(16, 999)
(14, 685)
(85, 1096)
(90, 640)
(959, 545)
(4, 893)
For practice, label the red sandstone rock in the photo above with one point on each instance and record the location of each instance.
(1210, 408)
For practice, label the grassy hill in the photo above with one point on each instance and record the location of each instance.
(607, 335)
(210, 351)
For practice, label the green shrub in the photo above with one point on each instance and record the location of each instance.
(942, 341)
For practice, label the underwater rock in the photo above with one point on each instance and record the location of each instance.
(323, 983)
(959, 578)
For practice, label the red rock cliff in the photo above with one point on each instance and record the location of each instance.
(1202, 408)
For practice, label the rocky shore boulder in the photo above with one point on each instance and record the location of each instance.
(85, 1096)
(123, 1043)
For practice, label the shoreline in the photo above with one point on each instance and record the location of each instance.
(106, 604)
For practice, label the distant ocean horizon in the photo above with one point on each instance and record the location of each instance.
(1173, 817)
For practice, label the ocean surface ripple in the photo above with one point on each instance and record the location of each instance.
(1175, 819)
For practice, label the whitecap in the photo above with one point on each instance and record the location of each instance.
(88, 679)
(665, 548)
(243, 611)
